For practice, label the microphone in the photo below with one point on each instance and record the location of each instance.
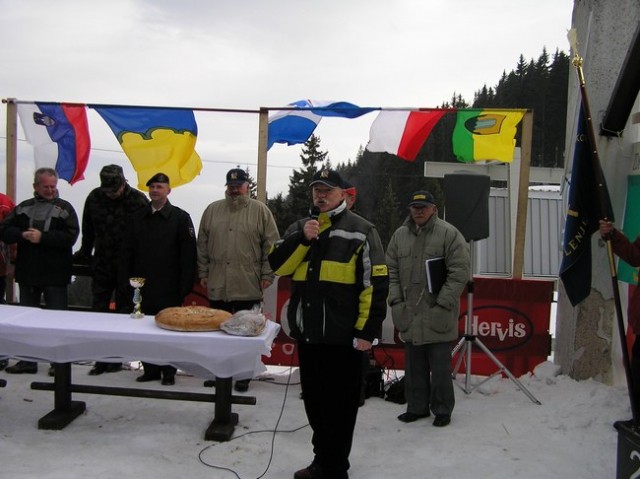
(314, 213)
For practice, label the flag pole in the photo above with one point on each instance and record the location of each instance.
(263, 139)
(604, 213)
(12, 155)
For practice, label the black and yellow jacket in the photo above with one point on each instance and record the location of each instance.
(339, 281)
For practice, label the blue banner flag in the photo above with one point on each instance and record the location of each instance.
(296, 126)
(583, 214)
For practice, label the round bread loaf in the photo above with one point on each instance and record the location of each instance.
(191, 318)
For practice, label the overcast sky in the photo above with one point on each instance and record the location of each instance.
(248, 54)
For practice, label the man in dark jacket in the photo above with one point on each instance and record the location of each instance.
(159, 245)
(339, 287)
(629, 252)
(45, 228)
(103, 221)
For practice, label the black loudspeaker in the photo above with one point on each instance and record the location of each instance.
(467, 204)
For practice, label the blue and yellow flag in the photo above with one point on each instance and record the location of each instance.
(156, 140)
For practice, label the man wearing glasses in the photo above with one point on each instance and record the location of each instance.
(427, 321)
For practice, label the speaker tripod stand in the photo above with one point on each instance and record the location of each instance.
(468, 340)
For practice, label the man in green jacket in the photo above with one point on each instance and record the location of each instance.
(427, 321)
(234, 240)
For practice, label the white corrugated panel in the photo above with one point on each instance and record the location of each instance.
(543, 241)
(544, 229)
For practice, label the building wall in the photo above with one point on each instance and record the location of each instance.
(587, 340)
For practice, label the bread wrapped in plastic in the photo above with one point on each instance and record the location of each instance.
(245, 323)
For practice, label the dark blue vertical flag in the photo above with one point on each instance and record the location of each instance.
(586, 206)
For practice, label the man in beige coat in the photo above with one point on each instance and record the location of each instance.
(234, 240)
(427, 321)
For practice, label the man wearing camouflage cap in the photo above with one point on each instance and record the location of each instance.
(103, 220)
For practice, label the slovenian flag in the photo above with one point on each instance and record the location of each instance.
(402, 133)
(296, 126)
(156, 140)
(59, 134)
(485, 135)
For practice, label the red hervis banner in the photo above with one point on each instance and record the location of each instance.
(510, 317)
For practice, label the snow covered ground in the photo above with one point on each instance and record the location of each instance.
(496, 432)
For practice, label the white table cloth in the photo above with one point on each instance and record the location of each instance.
(36, 334)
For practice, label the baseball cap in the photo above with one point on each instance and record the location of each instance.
(236, 176)
(331, 178)
(422, 198)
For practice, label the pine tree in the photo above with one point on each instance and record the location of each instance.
(388, 220)
(278, 207)
(253, 185)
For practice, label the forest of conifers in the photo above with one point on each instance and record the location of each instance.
(384, 182)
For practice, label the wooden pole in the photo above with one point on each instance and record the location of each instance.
(12, 155)
(263, 138)
(523, 195)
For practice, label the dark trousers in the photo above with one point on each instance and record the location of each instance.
(55, 297)
(3, 289)
(331, 377)
(104, 289)
(428, 383)
(156, 369)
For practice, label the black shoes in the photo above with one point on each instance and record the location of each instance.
(242, 386)
(210, 383)
(168, 380)
(100, 368)
(145, 378)
(411, 417)
(313, 471)
(441, 420)
(23, 367)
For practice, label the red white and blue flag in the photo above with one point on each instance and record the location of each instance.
(59, 134)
